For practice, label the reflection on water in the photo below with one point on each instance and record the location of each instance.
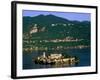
(63, 65)
(82, 54)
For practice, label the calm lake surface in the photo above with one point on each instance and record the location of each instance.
(83, 54)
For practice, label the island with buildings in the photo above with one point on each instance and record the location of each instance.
(55, 59)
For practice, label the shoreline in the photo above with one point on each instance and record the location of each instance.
(57, 48)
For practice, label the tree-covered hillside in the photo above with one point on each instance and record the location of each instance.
(53, 27)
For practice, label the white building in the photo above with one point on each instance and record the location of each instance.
(34, 29)
(55, 56)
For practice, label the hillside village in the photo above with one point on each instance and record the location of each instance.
(65, 34)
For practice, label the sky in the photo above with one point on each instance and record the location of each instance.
(67, 15)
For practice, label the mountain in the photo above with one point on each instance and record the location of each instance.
(48, 19)
(56, 27)
(43, 20)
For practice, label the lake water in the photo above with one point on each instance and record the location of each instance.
(83, 54)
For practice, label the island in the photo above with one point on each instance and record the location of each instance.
(55, 59)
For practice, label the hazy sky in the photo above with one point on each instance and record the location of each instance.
(66, 15)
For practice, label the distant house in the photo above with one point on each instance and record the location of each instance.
(34, 29)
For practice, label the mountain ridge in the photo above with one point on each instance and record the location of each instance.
(55, 25)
